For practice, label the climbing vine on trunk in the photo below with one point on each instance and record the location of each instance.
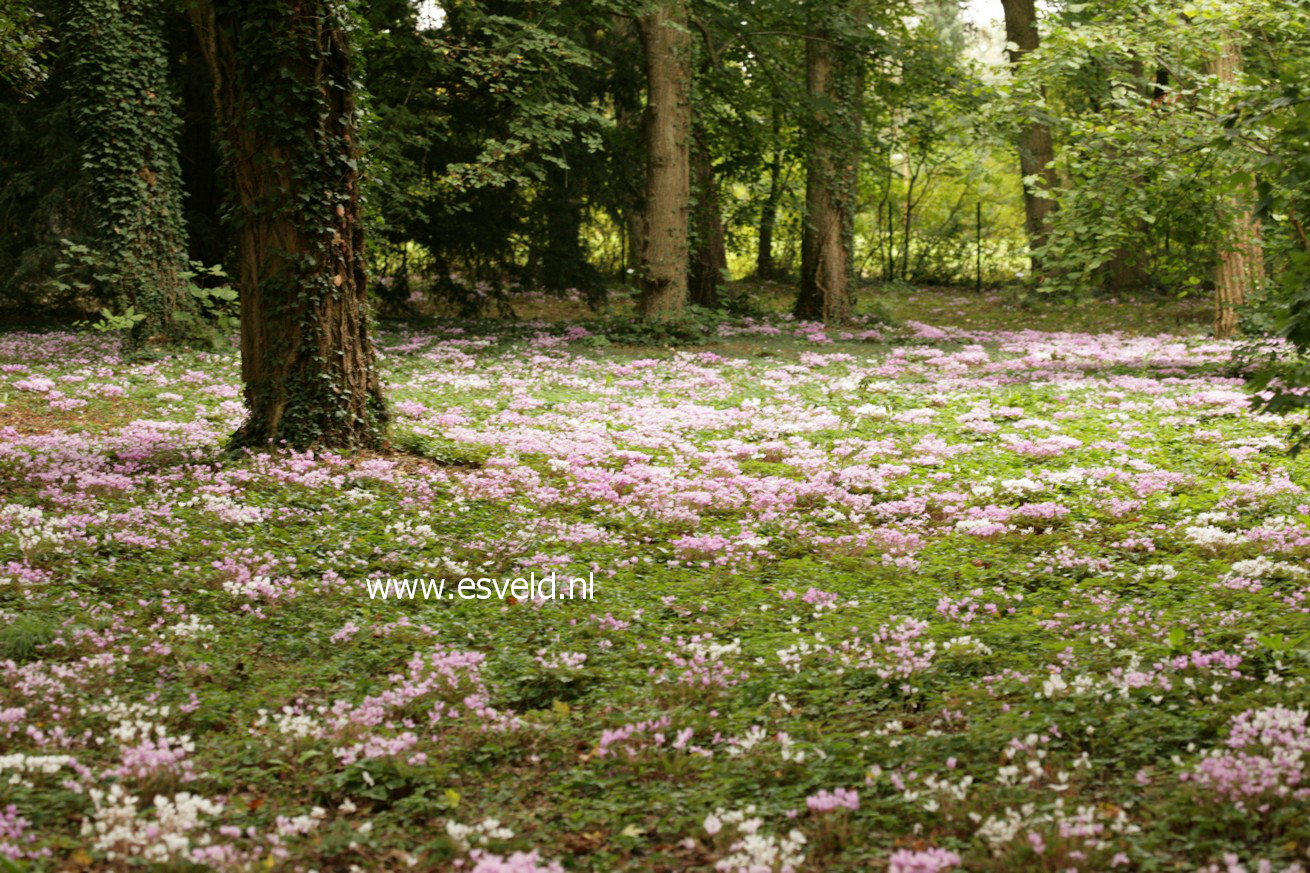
(285, 95)
(129, 127)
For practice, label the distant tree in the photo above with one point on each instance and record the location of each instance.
(764, 265)
(709, 256)
(831, 164)
(285, 95)
(666, 45)
(1241, 259)
(1036, 151)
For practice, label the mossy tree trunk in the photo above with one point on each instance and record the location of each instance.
(667, 50)
(284, 90)
(1036, 149)
(129, 128)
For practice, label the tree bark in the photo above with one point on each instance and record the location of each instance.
(284, 93)
(561, 257)
(1036, 151)
(1126, 270)
(1241, 258)
(825, 258)
(764, 266)
(628, 119)
(710, 257)
(202, 175)
(667, 49)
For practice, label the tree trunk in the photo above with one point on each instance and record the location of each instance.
(1126, 270)
(825, 261)
(285, 98)
(129, 128)
(202, 175)
(1241, 264)
(561, 257)
(764, 266)
(1036, 152)
(710, 258)
(628, 121)
(667, 49)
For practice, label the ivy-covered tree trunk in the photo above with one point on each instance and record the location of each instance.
(667, 50)
(825, 256)
(1036, 150)
(710, 257)
(129, 129)
(1241, 264)
(284, 89)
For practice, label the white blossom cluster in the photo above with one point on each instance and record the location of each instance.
(754, 851)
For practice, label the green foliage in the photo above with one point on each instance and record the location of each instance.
(210, 315)
(1141, 152)
(443, 451)
(693, 326)
(1277, 120)
(22, 47)
(216, 301)
(484, 136)
(21, 639)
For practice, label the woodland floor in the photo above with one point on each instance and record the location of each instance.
(954, 591)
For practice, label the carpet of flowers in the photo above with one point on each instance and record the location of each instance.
(905, 598)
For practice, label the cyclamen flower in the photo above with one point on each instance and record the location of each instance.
(519, 862)
(930, 861)
(1270, 759)
(15, 833)
(838, 798)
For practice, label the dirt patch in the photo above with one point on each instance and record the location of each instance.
(29, 418)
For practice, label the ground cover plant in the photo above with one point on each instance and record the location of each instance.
(908, 596)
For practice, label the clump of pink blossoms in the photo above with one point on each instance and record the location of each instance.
(838, 798)
(930, 861)
(1270, 748)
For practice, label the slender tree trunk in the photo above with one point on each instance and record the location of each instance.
(634, 233)
(1036, 151)
(907, 224)
(285, 98)
(202, 177)
(1126, 270)
(667, 52)
(825, 260)
(561, 257)
(628, 121)
(129, 127)
(710, 257)
(1241, 258)
(764, 267)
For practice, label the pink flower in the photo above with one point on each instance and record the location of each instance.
(838, 798)
(930, 861)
